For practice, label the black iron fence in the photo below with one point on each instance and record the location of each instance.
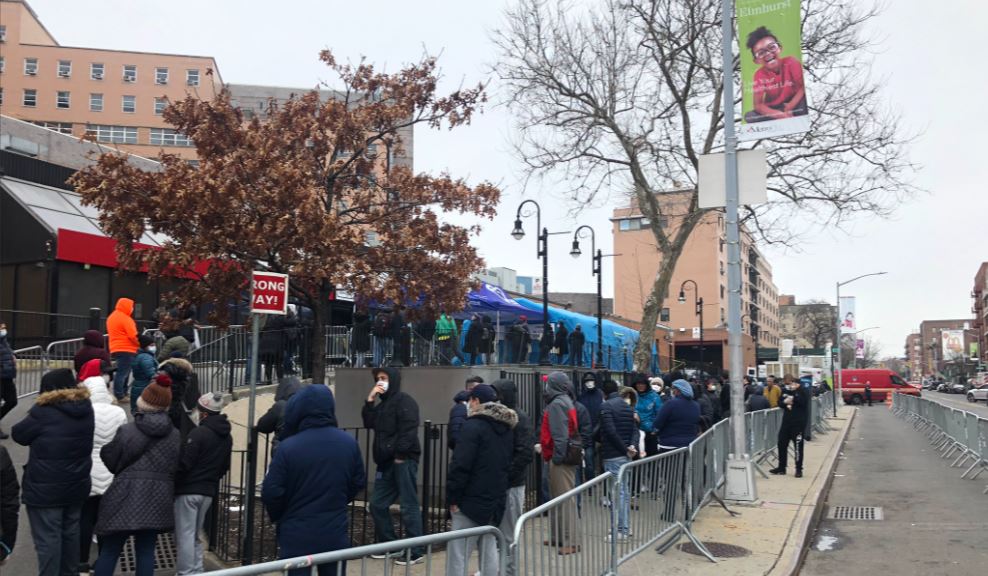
(27, 328)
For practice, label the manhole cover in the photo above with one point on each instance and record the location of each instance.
(164, 555)
(718, 549)
(855, 513)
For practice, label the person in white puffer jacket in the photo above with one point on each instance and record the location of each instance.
(95, 376)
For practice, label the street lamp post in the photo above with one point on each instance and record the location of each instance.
(542, 251)
(595, 267)
(838, 377)
(698, 303)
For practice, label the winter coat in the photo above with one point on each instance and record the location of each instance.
(794, 417)
(445, 328)
(725, 400)
(315, 474)
(561, 341)
(205, 457)
(8, 365)
(361, 333)
(559, 420)
(757, 401)
(108, 418)
(677, 423)
(714, 399)
(592, 400)
(576, 341)
(92, 348)
(457, 417)
(522, 455)
(177, 343)
(10, 505)
(59, 430)
(474, 337)
(478, 475)
(143, 457)
(185, 393)
(773, 393)
(121, 328)
(584, 424)
(395, 421)
(708, 416)
(617, 427)
(273, 420)
(647, 407)
(271, 346)
(143, 370)
(488, 337)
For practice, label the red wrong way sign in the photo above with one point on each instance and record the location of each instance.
(269, 293)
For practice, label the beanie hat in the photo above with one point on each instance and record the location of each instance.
(57, 379)
(157, 397)
(588, 376)
(684, 388)
(657, 380)
(145, 340)
(211, 403)
(484, 393)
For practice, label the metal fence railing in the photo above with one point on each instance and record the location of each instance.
(31, 367)
(950, 431)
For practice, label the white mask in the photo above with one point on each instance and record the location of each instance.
(589, 384)
(627, 401)
(383, 384)
(152, 349)
(3, 333)
(657, 388)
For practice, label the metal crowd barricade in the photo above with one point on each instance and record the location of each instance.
(707, 471)
(31, 366)
(61, 354)
(361, 554)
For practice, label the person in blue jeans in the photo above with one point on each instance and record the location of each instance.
(394, 418)
(619, 436)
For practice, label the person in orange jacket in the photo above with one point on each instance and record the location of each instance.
(122, 331)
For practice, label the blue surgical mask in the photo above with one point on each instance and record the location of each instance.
(3, 333)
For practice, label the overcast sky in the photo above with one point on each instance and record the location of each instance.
(928, 59)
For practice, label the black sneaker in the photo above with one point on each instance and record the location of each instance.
(410, 559)
(799, 473)
(778, 471)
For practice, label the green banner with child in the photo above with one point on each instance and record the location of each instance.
(772, 82)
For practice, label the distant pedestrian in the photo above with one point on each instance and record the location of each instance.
(272, 346)
(316, 473)
(144, 369)
(577, 339)
(561, 343)
(122, 332)
(458, 413)
(592, 398)
(772, 391)
(521, 459)
(478, 478)
(488, 339)
(757, 400)
(92, 348)
(867, 392)
(795, 407)
(619, 435)
(474, 340)
(10, 506)
(545, 344)
(445, 337)
(175, 344)
(361, 339)
(59, 431)
(273, 421)
(204, 460)
(143, 458)
(748, 386)
(396, 451)
(8, 372)
(108, 419)
(425, 335)
(725, 399)
(713, 394)
(560, 445)
(519, 338)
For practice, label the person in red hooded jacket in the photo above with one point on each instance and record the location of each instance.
(122, 330)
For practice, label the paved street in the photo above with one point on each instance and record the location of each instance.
(935, 523)
(958, 401)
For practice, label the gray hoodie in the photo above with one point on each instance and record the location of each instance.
(557, 394)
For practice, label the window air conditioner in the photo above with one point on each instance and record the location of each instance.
(97, 76)
(32, 72)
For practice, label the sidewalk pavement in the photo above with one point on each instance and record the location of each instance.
(776, 530)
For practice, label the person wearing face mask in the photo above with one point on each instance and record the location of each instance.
(144, 369)
(714, 396)
(658, 386)
(92, 347)
(618, 445)
(592, 398)
(394, 417)
(795, 402)
(8, 371)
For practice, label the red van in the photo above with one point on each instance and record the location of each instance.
(883, 382)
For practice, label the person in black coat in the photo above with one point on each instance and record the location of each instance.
(477, 481)
(795, 403)
(10, 505)
(757, 400)
(619, 436)
(577, 339)
(361, 338)
(519, 337)
(184, 393)
(545, 345)
(396, 452)
(59, 431)
(8, 371)
(488, 339)
(521, 458)
(458, 413)
(316, 473)
(474, 345)
(203, 462)
(561, 343)
(274, 419)
(271, 347)
(725, 399)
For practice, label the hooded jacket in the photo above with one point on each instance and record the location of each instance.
(678, 422)
(592, 399)
(315, 474)
(794, 417)
(185, 393)
(121, 328)
(108, 418)
(478, 477)
(92, 348)
(647, 407)
(205, 457)
(273, 420)
(395, 421)
(617, 427)
(144, 368)
(59, 430)
(8, 366)
(10, 505)
(144, 457)
(522, 455)
(457, 417)
(773, 393)
(559, 420)
(577, 339)
(561, 341)
(176, 343)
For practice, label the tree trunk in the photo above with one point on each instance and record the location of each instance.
(656, 298)
(322, 312)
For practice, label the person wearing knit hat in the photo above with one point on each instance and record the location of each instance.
(144, 368)
(484, 393)
(157, 397)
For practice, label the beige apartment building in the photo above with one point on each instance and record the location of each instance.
(980, 309)
(914, 354)
(116, 96)
(704, 261)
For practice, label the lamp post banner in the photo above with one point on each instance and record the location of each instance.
(772, 86)
(859, 349)
(848, 320)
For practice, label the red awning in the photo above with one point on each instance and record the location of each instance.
(98, 250)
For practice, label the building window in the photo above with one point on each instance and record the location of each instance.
(169, 137)
(624, 225)
(161, 75)
(1, 95)
(129, 104)
(159, 105)
(3, 64)
(31, 66)
(96, 71)
(130, 73)
(62, 99)
(192, 163)
(95, 102)
(60, 127)
(664, 315)
(722, 291)
(30, 98)
(114, 134)
(64, 68)
(3, 33)
(192, 77)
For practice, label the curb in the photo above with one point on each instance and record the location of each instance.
(809, 523)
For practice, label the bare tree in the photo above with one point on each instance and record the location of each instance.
(815, 322)
(627, 95)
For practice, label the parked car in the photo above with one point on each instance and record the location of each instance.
(978, 393)
(883, 382)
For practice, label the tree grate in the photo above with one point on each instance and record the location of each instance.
(164, 556)
(855, 513)
(718, 549)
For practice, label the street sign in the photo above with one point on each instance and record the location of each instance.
(269, 293)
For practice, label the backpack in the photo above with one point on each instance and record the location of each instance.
(382, 325)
